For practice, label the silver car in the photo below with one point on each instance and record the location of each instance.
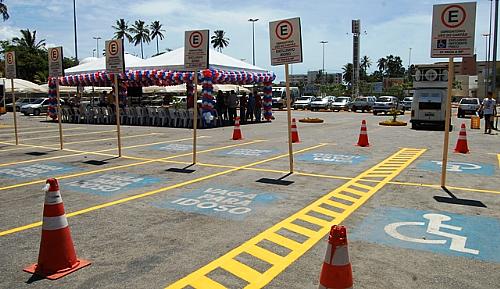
(322, 102)
(302, 102)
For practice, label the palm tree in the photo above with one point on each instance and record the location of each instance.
(3, 11)
(382, 64)
(219, 40)
(156, 32)
(365, 64)
(141, 34)
(28, 40)
(347, 73)
(122, 30)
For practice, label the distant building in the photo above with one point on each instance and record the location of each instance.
(298, 79)
(312, 77)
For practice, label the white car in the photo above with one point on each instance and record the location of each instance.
(37, 107)
(468, 106)
(387, 103)
(324, 102)
(341, 103)
(407, 103)
(302, 102)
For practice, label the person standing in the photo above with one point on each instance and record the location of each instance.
(489, 110)
(250, 106)
(243, 107)
(226, 107)
(233, 105)
(258, 107)
(219, 105)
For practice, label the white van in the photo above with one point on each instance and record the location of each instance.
(279, 96)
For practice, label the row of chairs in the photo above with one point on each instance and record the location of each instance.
(131, 115)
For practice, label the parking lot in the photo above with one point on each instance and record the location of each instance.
(238, 219)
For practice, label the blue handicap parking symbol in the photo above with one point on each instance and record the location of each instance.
(109, 184)
(246, 152)
(331, 158)
(174, 147)
(228, 203)
(474, 237)
(35, 170)
(459, 167)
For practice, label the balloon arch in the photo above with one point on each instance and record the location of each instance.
(140, 78)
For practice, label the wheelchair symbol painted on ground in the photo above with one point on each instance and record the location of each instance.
(435, 224)
(459, 167)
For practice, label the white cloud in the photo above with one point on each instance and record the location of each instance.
(7, 32)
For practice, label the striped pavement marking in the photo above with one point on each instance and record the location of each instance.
(333, 208)
(42, 131)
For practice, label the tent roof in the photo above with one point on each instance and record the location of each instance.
(99, 64)
(174, 60)
(21, 85)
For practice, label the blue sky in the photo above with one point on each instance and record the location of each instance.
(392, 26)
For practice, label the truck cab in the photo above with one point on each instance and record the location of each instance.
(279, 96)
(428, 108)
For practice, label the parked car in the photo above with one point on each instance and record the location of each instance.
(468, 106)
(341, 103)
(279, 96)
(302, 102)
(428, 108)
(37, 107)
(387, 103)
(19, 103)
(363, 103)
(324, 102)
(407, 103)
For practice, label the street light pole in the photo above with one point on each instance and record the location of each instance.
(97, 38)
(495, 42)
(74, 26)
(323, 42)
(487, 64)
(253, 38)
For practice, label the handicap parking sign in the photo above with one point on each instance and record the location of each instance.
(331, 158)
(246, 152)
(459, 167)
(446, 233)
(174, 147)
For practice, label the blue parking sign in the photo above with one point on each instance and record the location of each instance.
(331, 158)
(459, 167)
(475, 237)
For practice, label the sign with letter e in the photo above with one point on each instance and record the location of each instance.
(286, 41)
(453, 30)
(115, 60)
(56, 62)
(196, 50)
(10, 65)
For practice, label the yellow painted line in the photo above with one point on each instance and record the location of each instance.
(448, 187)
(161, 190)
(228, 262)
(44, 131)
(68, 135)
(122, 166)
(498, 160)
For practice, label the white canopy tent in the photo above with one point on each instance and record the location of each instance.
(181, 88)
(174, 60)
(23, 86)
(91, 64)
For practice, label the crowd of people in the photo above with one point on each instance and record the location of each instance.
(228, 103)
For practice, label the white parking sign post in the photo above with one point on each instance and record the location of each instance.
(453, 31)
(196, 59)
(286, 48)
(55, 71)
(10, 72)
(115, 63)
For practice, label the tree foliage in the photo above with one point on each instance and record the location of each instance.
(219, 40)
(4, 11)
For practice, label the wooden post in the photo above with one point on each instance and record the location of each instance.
(61, 141)
(14, 109)
(117, 113)
(451, 76)
(289, 113)
(195, 115)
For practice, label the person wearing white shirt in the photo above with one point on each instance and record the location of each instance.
(489, 108)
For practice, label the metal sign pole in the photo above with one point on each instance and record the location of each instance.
(117, 113)
(61, 141)
(289, 113)
(4, 89)
(451, 76)
(14, 109)
(195, 115)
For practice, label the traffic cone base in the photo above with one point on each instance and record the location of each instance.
(80, 263)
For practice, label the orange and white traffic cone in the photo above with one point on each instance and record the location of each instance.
(295, 132)
(237, 132)
(57, 256)
(461, 146)
(336, 272)
(363, 135)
